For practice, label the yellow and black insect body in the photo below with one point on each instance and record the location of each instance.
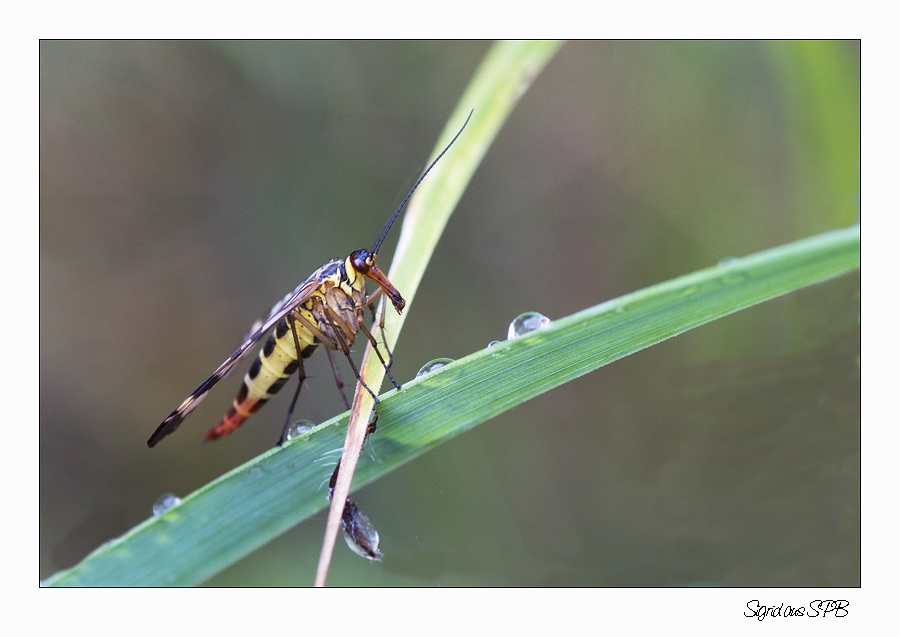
(332, 315)
(326, 309)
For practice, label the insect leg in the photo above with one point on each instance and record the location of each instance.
(315, 331)
(301, 376)
(337, 378)
(370, 429)
(344, 333)
(340, 328)
(387, 366)
(359, 378)
(370, 303)
(330, 344)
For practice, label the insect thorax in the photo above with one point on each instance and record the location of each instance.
(334, 305)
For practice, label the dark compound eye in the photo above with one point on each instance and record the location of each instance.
(361, 260)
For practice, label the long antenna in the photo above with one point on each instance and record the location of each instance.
(387, 226)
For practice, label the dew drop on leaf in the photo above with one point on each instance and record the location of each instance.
(525, 323)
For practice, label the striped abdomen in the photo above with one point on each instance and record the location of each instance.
(276, 362)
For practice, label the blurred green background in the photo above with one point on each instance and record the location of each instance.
(187, 186)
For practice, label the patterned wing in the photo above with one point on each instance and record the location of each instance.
(279, 311)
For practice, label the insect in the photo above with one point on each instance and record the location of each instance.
(326, 309)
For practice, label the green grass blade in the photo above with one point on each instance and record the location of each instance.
(254, 503)
(504, 75)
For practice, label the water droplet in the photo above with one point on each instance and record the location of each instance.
(298, 428)
(430, 366)
(492, 343)
(525, 323)
(359, 533)
(165, 502)
(728, 261)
